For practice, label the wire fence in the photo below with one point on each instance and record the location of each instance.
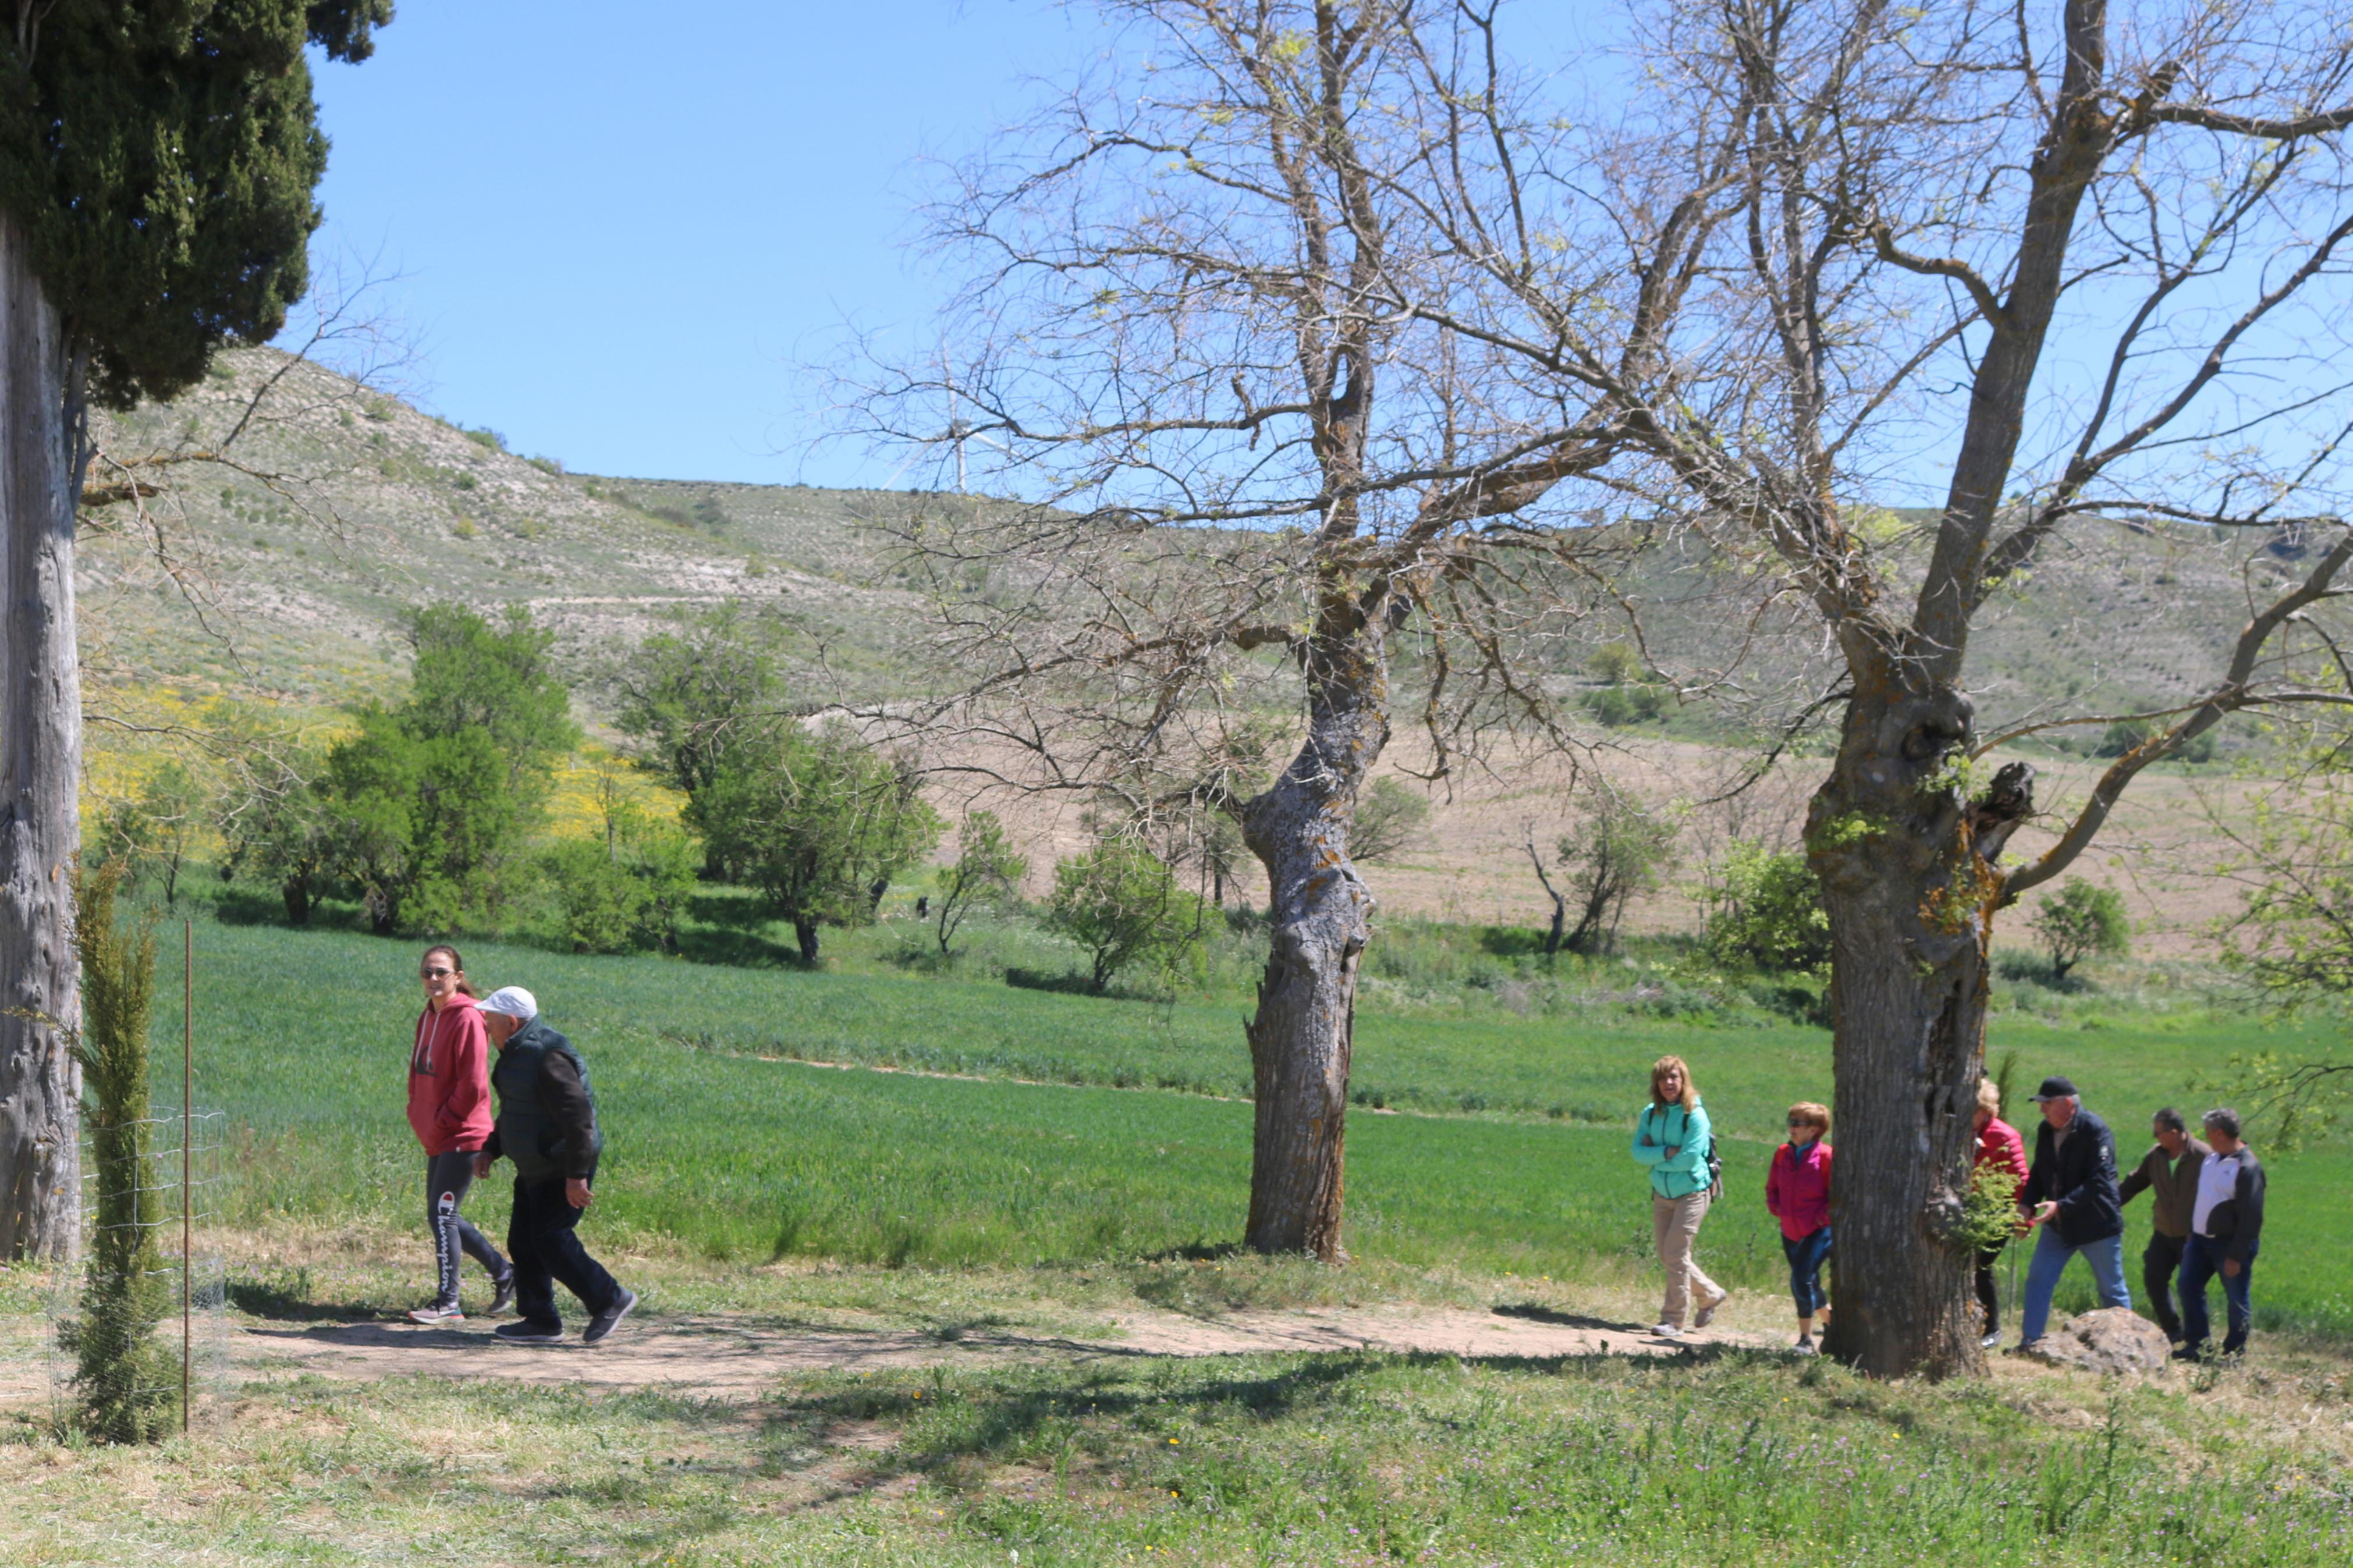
(139, 1325)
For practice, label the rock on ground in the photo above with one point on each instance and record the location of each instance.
(2112, 1340)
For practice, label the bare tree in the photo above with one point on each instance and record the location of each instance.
(2075, 270)
(1253, 472)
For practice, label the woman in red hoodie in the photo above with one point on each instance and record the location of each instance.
(1797, 1193)
(449, 1109)
(1998, 1145)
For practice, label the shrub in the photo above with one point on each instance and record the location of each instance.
(624, 892)
(1121, 902)
(1634, 702)
(1766, 912)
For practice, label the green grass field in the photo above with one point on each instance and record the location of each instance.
(722, 1145)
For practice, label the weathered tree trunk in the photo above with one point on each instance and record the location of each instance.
(1909, 899)
(806, 931)
(1304, 1034)
(40, 768)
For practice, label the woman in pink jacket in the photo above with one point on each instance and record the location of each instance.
(1797, 1193)
(449, 1110)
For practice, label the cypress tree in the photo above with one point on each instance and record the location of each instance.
(157, 164)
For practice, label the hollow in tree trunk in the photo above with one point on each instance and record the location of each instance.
(1902, 851)
(40, 766)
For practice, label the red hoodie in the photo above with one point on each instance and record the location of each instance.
(449, 1079)
(1798, 1192)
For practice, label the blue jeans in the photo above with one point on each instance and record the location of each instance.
(2051, 1252)
(2201, 1261)
(1807, 1255)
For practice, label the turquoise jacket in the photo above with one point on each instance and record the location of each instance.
(1656, 1131)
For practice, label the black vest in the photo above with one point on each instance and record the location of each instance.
(527, 1134)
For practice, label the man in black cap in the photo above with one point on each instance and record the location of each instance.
(2070, 1198)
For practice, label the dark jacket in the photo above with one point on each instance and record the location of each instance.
(2175, 1182)
(547, 1115)
(2079, 1175)
(2239, 1221)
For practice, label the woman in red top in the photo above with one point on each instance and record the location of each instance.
(1797, 1193)
(449, 1110)
(1998, 1145)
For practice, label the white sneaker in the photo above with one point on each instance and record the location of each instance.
(1707, 1308)
(1991, 1341)
(437, 1313)
(1667, 1330)
(1805, 1347)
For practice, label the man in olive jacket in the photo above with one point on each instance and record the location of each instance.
(2070, 1198)
(2169, 1170)
(547, 1126)
(2226, 1228)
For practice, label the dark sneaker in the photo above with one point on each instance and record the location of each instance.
(529, 1333)
(437, 1313)
(604, 1323)
(501, 1295)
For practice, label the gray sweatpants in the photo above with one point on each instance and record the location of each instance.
(446, 1177)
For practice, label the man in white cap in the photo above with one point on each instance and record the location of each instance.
(547, 1126)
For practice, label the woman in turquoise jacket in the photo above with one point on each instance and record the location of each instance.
(1672, 1137)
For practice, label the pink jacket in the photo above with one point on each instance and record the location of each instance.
(1798, 1191)
(449, 1079)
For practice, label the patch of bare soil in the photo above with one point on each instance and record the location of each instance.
(725, 1357)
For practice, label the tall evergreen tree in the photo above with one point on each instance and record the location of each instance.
(157, 160)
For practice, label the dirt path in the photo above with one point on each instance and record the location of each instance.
(727, 1357)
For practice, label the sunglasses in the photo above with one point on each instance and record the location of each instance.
(1794, 1123)
(434, 973)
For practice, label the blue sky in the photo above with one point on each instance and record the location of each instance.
(616, 230)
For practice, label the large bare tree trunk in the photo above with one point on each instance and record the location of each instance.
(40, 769)
(1911, 899)
(1305, 1031)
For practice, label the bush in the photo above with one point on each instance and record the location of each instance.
(1634, 702)
(625, 892)
(1766, 912)
(1121, 902)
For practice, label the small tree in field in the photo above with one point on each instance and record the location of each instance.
(1390, 817)
(128, 1381)
(986, 867)
(1121, 902)
(1617, 854)
(818, 822)
(2081, 921)
(1768, 912)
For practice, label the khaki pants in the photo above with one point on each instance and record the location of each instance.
(1674, 1226)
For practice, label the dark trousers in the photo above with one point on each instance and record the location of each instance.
(2201, 1261)
(541, 1240)
(1807, 1254)
(1989, 1291)
(2158, 1262)
(446, 1177)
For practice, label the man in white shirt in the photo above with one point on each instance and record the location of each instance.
(2226, 1228)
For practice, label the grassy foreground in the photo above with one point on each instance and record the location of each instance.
(1277, 1459)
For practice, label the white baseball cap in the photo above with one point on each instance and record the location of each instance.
(512, 1000)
